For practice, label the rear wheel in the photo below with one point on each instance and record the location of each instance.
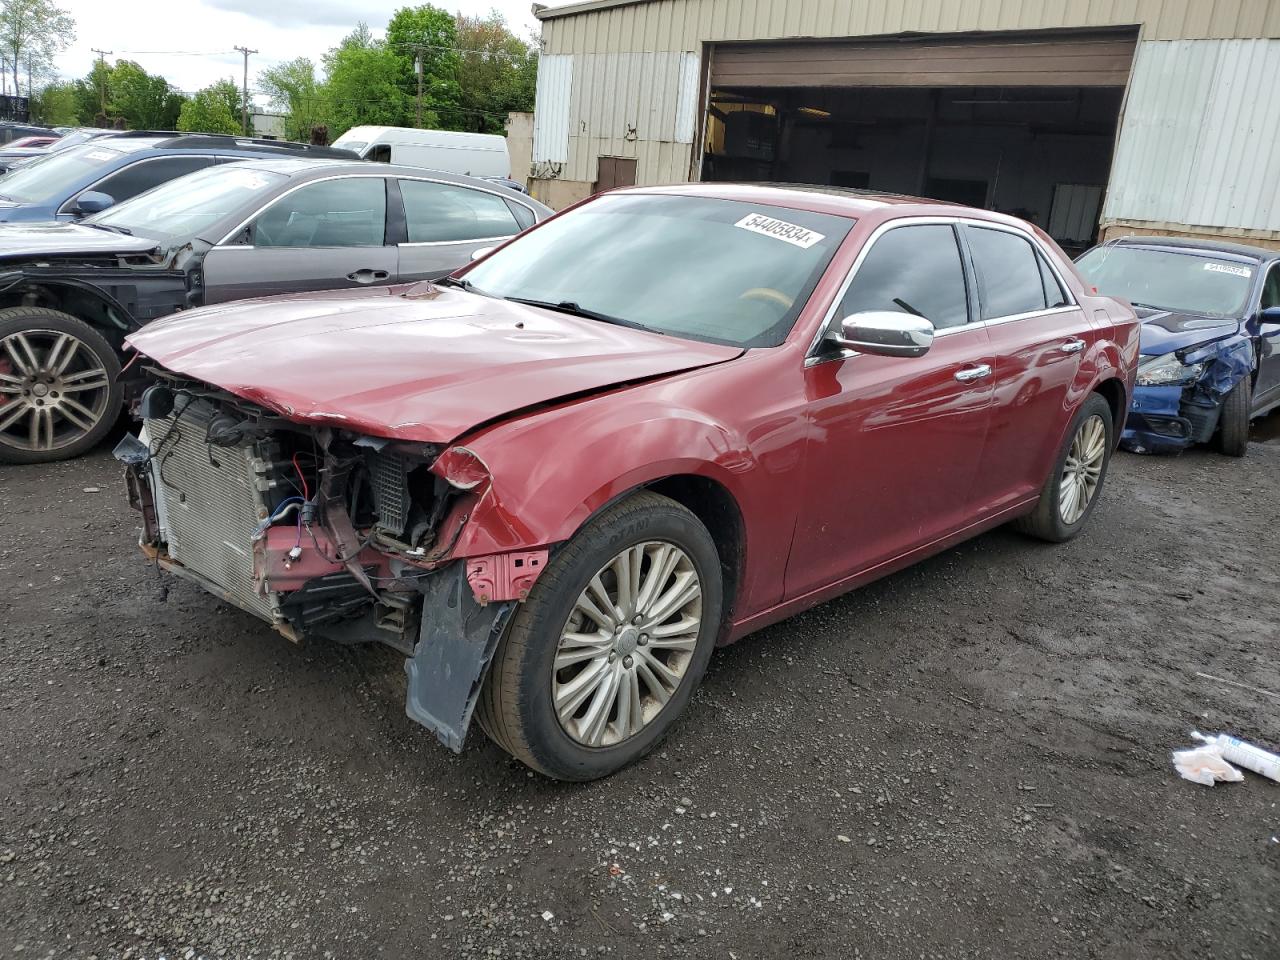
(606, 652)
(1233, 423)
(1072, 489)
(58, 385)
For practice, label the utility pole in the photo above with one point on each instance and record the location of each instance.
(417, 68)
(102, 61)
(244, 94)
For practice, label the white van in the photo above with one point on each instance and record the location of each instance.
(472, 154)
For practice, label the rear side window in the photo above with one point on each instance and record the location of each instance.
(349, 212)
(142, 176)
(913, 270)
(1009, 277)
(1054, 295)
(443, 213)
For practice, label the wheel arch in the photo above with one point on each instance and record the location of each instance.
(84, 301)
(1113, 391)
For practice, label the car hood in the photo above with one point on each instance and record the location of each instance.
(419, 362)
(21, 241)
(1164, 331)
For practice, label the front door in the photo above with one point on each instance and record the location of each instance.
(1039, 337)
(895, 443)
(1266, 339)
(321, 236)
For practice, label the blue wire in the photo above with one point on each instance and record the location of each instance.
(284, 503)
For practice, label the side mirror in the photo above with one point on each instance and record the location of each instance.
(482, 253)
(1271, 315)
(91, 201)
(885, 333)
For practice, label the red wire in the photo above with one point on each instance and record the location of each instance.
(306, 490)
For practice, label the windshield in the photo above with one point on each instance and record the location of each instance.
(185, 207)
(72, 139)
(723, 271)
(58, 175)
(356, 145)
(1189, 282)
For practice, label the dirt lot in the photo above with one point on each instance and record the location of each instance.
(968, 759)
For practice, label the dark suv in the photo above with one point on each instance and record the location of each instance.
(81, 180)
(70, 292)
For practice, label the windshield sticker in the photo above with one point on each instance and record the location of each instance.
(1224, 268)
(100, 155)
(780, 230)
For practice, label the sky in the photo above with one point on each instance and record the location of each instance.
(204, 32)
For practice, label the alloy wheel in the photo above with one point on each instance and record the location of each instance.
(53, 390)
(627, 644)
(1082, 471)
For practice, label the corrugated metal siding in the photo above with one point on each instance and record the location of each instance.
(551, 109)
(1200, 137)
(682, 25)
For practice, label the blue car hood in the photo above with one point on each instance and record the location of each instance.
(1164, 331)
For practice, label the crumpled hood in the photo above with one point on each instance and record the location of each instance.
(1164, 331)
(416, 362)
(26, 240)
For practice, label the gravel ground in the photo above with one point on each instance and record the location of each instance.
(969, 759)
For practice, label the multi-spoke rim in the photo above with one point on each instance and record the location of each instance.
(627, 644)
(53, 390)
(1082, 472)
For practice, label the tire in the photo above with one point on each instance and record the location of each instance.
(59, 389)
(1056, 517)
(517, 706)
(1233, 423)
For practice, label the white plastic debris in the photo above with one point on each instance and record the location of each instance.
(1204, 765)
(1244, 754)
(548, 915)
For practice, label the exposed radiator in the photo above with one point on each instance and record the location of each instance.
(389, 475)
(210, 503)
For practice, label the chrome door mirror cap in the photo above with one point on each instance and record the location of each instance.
(886, 334)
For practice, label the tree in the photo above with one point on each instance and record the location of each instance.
(56, 105)
(145, 101)
(365, 83)
(209, 111)
(32, 32)
(293, 90)
(497, 72)
(427, 35)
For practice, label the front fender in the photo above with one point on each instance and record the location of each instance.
(549, 473)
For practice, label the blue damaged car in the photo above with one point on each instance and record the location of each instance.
(1210, 337)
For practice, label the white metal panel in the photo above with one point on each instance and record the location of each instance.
(1074, 213)
(687, 98)
(551, 109)
(1200, 137)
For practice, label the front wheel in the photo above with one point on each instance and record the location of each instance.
(1233, 423)
(1072, 489)
(59, 393)
(606, 652)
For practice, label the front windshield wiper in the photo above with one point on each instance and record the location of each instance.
(460, 282)
(569, 307)
(108, 226)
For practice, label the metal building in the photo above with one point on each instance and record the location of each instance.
(1090, 117)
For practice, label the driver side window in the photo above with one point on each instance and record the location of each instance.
(350, 212)
(1271, 288)
(914, 270)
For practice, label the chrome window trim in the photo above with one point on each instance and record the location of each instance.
(812, 357)
(454, 243)
(382, 175)
(62, 208)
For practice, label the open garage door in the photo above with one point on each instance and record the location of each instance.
(1022, 123)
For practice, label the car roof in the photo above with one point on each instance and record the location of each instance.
(293, 166)
(168, 141)
(838, 201)
(1193, 245)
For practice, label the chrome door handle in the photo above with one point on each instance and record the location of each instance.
(367, 276)
(1072, 346)
(971, 374)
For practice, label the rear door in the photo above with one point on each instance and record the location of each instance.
(1266, 391)
(895, 442)
(1040, 337)
(445, 223)
(323, 235)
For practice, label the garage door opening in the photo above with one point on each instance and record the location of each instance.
(898, 117)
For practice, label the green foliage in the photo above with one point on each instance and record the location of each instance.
(497, 74)
(365, 83)
(294, 91)
(56, 105)
(32, 33)
(427, 36)
(209, 111)
(145, 101)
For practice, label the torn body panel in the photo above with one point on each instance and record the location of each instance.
(1167, 418)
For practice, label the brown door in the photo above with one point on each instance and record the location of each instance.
(615, 172)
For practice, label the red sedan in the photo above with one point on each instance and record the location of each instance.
(659, 421)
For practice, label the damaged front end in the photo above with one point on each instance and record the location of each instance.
(326, 533)
(1178, 399)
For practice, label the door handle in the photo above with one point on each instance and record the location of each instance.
(970, 374)
(1074, 345)
(367, 276)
